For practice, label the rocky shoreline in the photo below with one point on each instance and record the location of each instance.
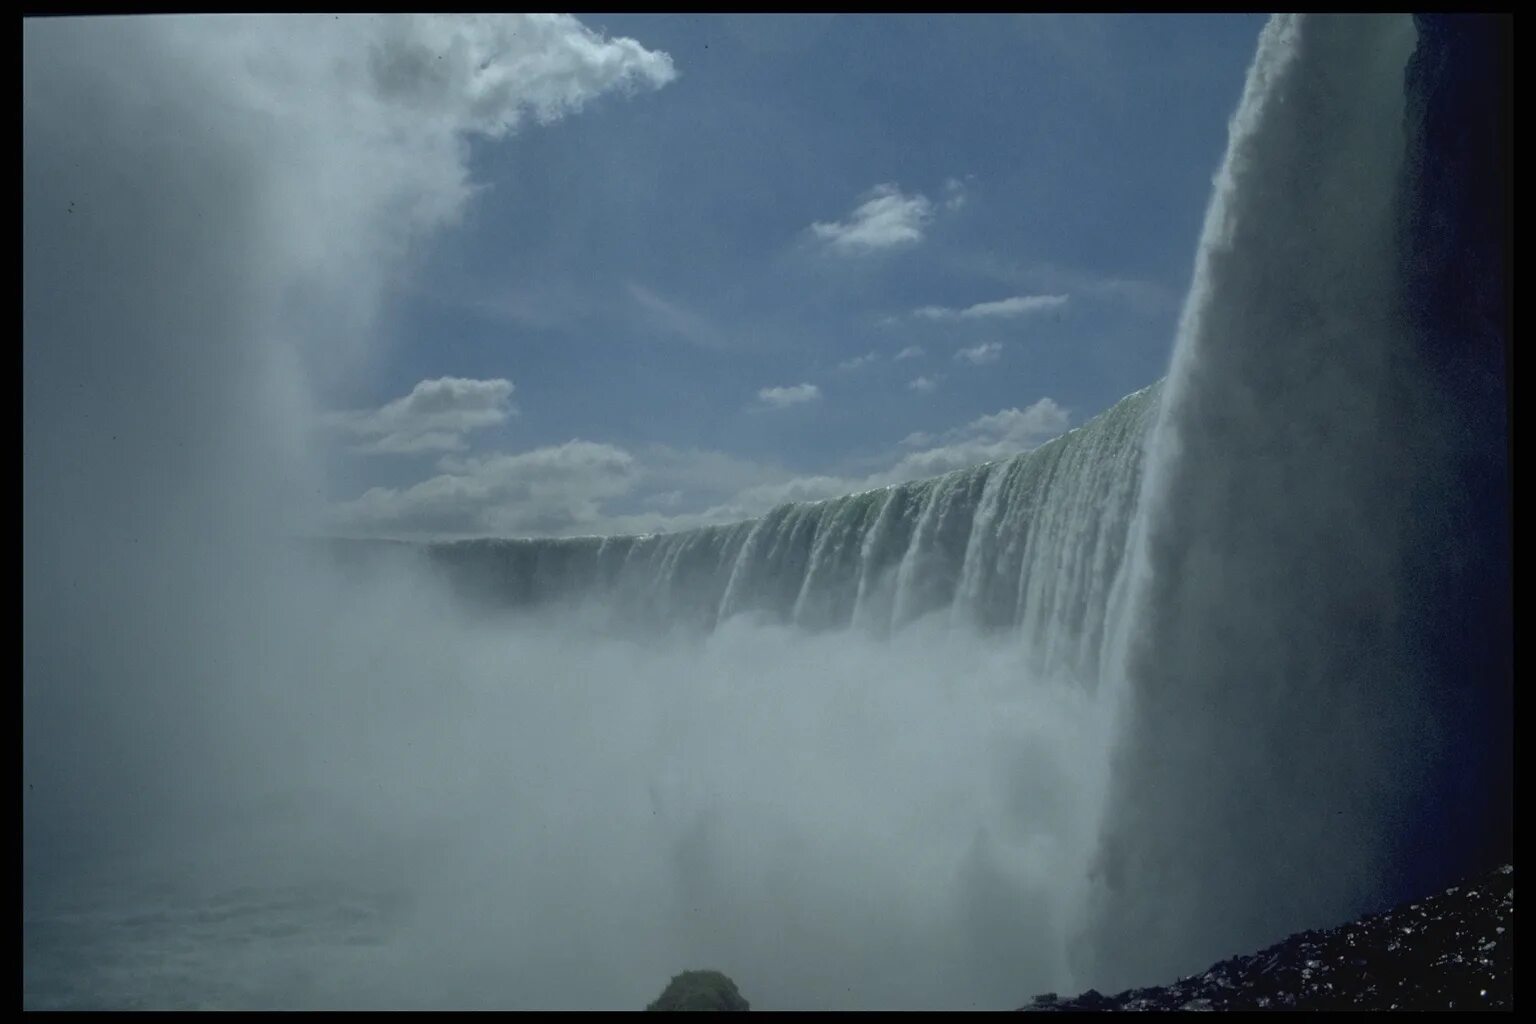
(1452, 951)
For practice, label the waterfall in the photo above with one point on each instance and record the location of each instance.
(1257, 567)
(1281, 734)
(1030, 544)
(1229, 660)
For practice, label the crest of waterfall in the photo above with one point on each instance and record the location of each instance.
(1029, 544)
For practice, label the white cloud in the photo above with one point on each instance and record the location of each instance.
(910, 352)
(1018, 428)
(858, 361)
(1018, 305)
(994, 436)
(581, 487)
(922, 385)
(954, 194)
(547, 491)
(886, 219)
(360, 124)
(214, 212)
(488, 70)
(578, 488)
(254, 182)
(981, 355)
(783, 397)
(435, 416)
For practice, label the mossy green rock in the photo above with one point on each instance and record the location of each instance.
(700, 990)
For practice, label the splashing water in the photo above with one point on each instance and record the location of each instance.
(1146, 687)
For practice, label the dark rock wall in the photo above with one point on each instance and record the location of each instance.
(1319, 717)
(1456, 235)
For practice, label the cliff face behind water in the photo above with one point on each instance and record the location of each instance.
(1318, 672)
(1456, 232)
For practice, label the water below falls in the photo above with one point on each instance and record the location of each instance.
(1160, 690)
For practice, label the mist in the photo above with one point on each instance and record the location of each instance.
(1162, 689)
(252, 780)
(528, 814)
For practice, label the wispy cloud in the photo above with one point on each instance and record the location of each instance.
(548, 491)
(886, 219)
(1141, 296)
(859, 361)
(547, 304)
(997, 435)
(1018, 305)
(784, 397)
(675, 319)
(981, 355)
(910, 352)
(922, 385)
(434, 417)
(954, 194)
(994, 436)
(583, 486)
(1146, 298)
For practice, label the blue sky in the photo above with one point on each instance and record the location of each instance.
(628, 273)
(642, 270)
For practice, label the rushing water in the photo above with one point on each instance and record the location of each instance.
(1103, 711)
(1282, 745)
(1029, 546)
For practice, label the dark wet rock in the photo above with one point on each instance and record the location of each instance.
(1455, 241)
(1452, 951)
(700, 990)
